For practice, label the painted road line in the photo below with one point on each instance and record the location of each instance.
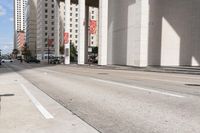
(42, 110)
(139, 88)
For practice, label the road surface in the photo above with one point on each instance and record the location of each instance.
(118, 101)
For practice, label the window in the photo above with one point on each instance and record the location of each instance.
(46, 10)
(46, 4)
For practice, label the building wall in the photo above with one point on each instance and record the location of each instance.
(174, 33)
(19, 19)
(126, 42)
(47, 28)
(93, 15)
(154, 32)
(31, 26)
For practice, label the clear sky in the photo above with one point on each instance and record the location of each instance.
(6, 25)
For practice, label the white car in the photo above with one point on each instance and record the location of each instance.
(6, 60)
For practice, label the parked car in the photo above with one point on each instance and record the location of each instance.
(32, 60)
(55, 60)
(6, 60)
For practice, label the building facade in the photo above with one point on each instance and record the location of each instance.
(47, 28)
(19, 21)
(142, 32)
(74, 24)
(31, 26)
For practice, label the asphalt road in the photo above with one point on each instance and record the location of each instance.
(117, 101)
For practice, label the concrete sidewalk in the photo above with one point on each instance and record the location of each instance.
(31, 111)
(160, 69)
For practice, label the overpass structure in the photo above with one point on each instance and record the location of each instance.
(141, 32)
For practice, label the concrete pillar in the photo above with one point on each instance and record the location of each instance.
(57, 24)
(67, 31)
(86, 32)
(81, 34)
(144, 36)
(103, 32)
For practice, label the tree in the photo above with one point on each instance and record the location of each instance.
(26, 52)
(62, 49)
(15, 52)
(73, 52)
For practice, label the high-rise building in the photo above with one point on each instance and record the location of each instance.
(31, 26)
(93, 15)
(19, 22)
(47, 28)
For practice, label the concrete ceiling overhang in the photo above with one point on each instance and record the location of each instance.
(93, 3)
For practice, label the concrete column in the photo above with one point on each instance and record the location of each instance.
(86, 32)
(144, 36)
(81, 34)
(67, 31)
(103, 32)
(57, 24)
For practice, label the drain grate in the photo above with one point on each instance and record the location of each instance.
(103, 73)
(198, 85)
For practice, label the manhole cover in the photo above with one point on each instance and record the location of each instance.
(192, 85)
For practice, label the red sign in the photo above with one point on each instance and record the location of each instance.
(50, 41)
(66, 37)
(93, 26)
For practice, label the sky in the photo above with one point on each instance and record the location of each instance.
(6, 26)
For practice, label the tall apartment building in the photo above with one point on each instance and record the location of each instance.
(31, 26)
(47, 28)
(19, 22)
(93, 15)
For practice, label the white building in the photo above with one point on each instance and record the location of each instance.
(141, 32)
(47, 28)
(93, 15)
(19, 20)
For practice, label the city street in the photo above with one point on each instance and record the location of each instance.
(119, 101)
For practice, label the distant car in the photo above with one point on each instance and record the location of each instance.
(55, 60)
(19, 57)
(32, 60)
(6, 60)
